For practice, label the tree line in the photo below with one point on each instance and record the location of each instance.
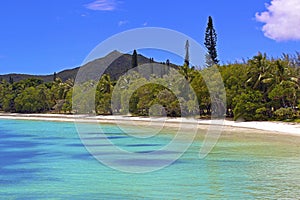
(260, 88)
(34, 96)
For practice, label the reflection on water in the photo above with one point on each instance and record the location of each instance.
(46, 160)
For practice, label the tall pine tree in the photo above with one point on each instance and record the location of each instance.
(134, 62)
(187, 54)
(211, 43)
(54, 76)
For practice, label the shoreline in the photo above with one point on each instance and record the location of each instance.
(282, 128)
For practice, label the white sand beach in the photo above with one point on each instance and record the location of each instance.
(269, 126)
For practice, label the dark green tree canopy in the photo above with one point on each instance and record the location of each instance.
(211, 43)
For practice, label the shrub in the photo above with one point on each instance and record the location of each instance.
(284, 113)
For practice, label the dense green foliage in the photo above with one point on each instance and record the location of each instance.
(258, 89)
(35, 96)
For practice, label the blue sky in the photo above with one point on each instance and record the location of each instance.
(41, 37)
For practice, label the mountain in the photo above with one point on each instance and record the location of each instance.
(118, 65)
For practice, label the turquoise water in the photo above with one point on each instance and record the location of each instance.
(46, 160)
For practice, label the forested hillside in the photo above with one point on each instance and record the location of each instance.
(116, 69)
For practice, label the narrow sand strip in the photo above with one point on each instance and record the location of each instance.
(274, 127)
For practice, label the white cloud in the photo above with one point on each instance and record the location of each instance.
(123, 22)
(102, 5)
(145, 23)
(282, 20)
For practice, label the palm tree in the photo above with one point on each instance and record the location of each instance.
(103, 95)
(282, 83)
(259, 69)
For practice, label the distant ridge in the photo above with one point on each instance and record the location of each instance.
(117, 68)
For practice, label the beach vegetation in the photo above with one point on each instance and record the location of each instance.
(260, 88)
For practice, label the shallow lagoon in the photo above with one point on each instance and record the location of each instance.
(46, 160)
